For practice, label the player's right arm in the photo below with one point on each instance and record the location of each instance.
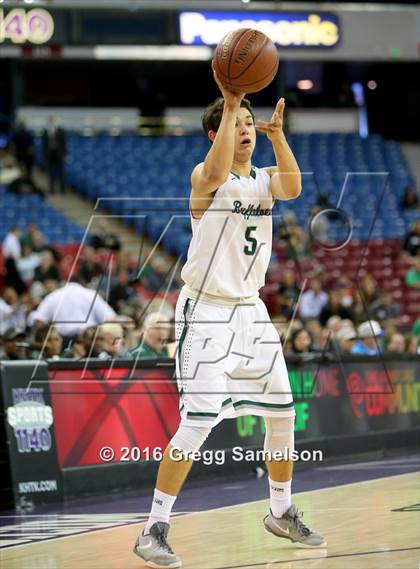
(212, 173)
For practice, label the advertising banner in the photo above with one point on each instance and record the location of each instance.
(29, 426)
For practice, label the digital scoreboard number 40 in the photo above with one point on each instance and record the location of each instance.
(20, 26)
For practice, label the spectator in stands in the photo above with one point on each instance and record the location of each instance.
(38, 241)
(47, 269)
(131, 333)
(72, 308)
(12, 310)
(415, 330)
(87, 344)
(324, 340)
(27, 238)
(287, 294)
(410, 199)
(412, 278)
(103, 239)
(412, 240)
(11, 253)
(15, 346)
(23, 146)
(153, 343)
(369, 333)
(345, 339)
(121, 292)
(385, 308)
(54, 148)
(313, 300)
(298, 244)
(369, 289)
(111, 338)
(89, 267)
(27, 264)
(301, 341)
(413, 346)
(396, 344)
(334, 307)
(314, 328)
(48, 343)
(24, 185)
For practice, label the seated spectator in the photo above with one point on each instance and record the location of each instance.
(313, 300)
(15, 346)
(396, 344)
(412, 240)
(301, 341)
(385, 308)
(48, 344)
(72, 308)
(369, 333)
(27, 264)
(412, 278)
(415, 330)
(47, 269)
(131, 334)
(345, 339)
(38, 241)
(413, 346)
(287, 294)
(103, 239)
(24, 185)
(27, 238)
(297, 244)
(410, 199)
(111, 338)
(121, 292)
(88, 344)
(369, 289)
(12, 310)
(334, 307)
(153, 343)
(89, 267)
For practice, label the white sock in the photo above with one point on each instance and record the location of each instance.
(161, 509)
(280, 497)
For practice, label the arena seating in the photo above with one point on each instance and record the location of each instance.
(23, 209)
(111, 168)
(133, 175)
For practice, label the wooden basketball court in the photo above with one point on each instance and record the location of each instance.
(370, 524)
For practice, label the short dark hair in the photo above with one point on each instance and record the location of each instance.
(212, 114)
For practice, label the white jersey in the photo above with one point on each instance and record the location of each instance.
(231, 244)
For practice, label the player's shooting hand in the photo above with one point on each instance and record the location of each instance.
(274, 128)
(231, 98)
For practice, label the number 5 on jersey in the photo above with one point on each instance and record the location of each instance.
(251, 248)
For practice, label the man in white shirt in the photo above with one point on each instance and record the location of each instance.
(72, 308)
(313, 300)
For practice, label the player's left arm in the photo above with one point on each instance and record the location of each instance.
(285, 177)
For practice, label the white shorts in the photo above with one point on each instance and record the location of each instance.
(229, 362)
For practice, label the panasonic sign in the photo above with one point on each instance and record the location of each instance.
(286, 29)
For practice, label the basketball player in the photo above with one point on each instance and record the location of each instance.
(229, 358)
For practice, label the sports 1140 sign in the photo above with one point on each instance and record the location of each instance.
(18, 26)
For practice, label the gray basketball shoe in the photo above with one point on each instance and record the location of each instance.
(291, 527)
(155, 549)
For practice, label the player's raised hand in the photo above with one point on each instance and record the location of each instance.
(274, 128)
(231, 98)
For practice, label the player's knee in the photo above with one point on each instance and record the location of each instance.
(279, 434)
(189, 439)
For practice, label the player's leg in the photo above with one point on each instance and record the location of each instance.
(266, 369)
(152, 544)
(202, 385)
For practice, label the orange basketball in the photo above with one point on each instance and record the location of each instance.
(246, 60)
